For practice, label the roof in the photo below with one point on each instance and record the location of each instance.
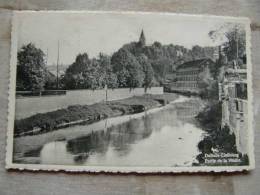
(194, 63)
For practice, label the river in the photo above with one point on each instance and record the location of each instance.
(165, 136)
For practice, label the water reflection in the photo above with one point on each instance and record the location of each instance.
(120, 137)
(163, 138)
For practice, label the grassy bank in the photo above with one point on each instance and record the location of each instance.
(87, 114)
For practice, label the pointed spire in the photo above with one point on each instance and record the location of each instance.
(142, 39)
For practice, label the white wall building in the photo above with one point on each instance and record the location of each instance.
(233, 94)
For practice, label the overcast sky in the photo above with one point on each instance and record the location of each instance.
(107, 32)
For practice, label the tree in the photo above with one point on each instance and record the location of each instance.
(107, 76)
(218, 67)
(69, 81)
(82, 74)
(31, 70)
(51, 81)
(147, 69)
(161, 66)
(233, 38)
(73, 75)
(208, 85)
(127, 69)
(235, 46)
(91, 75)
(80, 64)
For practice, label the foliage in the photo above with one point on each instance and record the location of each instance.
(165, 58)
(210, 117)
(51, 81)
(108, 77)
(209, 89)
(215, 70)
(162, 66)
(87, 73)
(217, 138)
(73, 78)
(127, 68)
(234, 45)
(221, 139)
(31, 70)
(225, 140)
(84, 73)
(147, 69)
(76, 114)
(134, 65)
(209, 85)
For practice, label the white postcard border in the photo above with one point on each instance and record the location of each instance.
(120, 169)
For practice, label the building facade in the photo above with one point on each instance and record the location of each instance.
(190, 75)
(233, 95)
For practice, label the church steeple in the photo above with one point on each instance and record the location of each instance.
(142, 39)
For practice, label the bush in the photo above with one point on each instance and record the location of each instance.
(210, 117)
(220, 138)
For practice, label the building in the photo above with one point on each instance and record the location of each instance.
(190, 75)
(233, 94)
(142, 41)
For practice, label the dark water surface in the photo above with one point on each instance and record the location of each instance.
(161, 137)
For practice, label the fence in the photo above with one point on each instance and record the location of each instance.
(27, 106)
(39, 93)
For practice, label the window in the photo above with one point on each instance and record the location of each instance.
(241, 90)
(239, 106)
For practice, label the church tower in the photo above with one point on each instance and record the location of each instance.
(142, 39)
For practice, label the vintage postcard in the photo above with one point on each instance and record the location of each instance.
(129, 92)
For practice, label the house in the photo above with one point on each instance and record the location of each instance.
(190, 76)
(233, 95)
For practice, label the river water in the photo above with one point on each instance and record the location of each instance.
(165, 136)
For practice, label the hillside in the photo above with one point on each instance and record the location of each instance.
(165, 59)
(135, 64)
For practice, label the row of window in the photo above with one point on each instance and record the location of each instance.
(188, 78)
(194, 72)
(187, 85)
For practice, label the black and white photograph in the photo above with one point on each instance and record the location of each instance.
(129, 92)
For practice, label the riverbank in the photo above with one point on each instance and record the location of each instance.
(218, 147)
(87, 114)
(163, 126)
(43, 104)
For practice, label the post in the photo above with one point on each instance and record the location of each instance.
(106, 92)
(164, 99)
(237, 43)
(58, 58)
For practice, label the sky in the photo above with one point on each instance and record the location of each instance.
(107, 32)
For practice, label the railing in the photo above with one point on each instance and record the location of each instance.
(40, 93)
